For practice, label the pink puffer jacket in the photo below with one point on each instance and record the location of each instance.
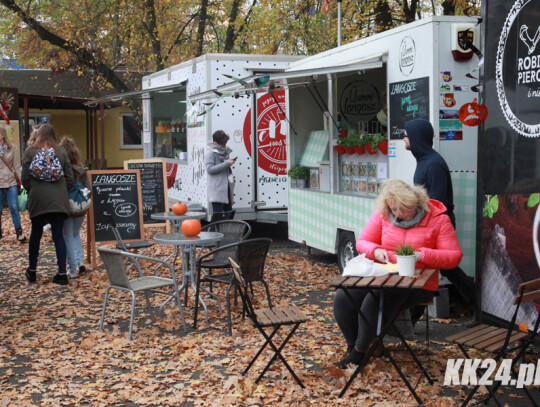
(434, 236)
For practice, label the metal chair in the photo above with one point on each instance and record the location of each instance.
(268, 317)
(502, 342)
(250, 254)
(217, 216)
(113, 261)
(126, 246)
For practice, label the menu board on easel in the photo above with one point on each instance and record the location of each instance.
(116, 193)
(408, 100)
(153, 187)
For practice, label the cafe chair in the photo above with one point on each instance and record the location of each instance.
(217, 216)
(502, 342)
(250, 254)
(233, 231)
(126, 246)
(273, 318)
(115, 266)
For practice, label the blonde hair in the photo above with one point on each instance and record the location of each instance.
(402, 195)
(45, 136)
(3, 131)
(72, 150)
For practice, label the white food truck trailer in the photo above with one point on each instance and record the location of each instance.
(178, 126)
(425, 69)
(419, 70)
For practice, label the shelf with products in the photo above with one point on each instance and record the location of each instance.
(170, 139)
(362, 175)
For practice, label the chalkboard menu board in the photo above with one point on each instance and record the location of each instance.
(153, 187)
(409, 100)
(117, 193)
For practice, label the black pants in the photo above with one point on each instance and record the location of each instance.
(355, 330)
(56, 221)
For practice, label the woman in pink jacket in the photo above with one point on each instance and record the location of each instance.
(404, 214)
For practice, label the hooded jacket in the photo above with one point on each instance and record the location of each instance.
(217, 173)
(434, 236)
(432, 172)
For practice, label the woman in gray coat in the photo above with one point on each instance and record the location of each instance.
(48, 202)
(219, 174)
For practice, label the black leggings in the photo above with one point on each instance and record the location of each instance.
(56, 221)
(355, 330)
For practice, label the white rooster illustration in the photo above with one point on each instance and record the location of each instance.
(525, 37)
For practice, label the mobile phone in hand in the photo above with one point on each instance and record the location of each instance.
(235, 158)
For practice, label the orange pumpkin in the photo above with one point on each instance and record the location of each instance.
(179, 208)
(191, 227)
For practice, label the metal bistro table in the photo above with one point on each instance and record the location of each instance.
(177, 219)
(186, 245)
(406, 286)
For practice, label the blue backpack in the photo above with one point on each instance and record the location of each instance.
(79, 198)
(45, 166)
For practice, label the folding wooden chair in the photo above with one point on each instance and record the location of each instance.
(274, 318)
(502, 342)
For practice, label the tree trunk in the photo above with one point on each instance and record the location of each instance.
(231, 33)
(409, 10)
(383, 16)
(202, 26)
(151, 26)
(449, 7)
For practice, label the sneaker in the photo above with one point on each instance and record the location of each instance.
(82, 268)
(73, 275)
(30, 275)
(47, 227)
(20, 236)
(60, 279)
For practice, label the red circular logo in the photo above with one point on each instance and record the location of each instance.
(271, 133)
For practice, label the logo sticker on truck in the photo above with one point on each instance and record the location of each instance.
(517, 70)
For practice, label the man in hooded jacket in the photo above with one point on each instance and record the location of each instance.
(433, 173)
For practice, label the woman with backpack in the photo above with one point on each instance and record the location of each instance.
(73, 223)
(47, 175)
(10, 171)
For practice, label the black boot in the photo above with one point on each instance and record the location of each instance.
(60, 279)
(30, 275)
(355, 357)
(20, 236)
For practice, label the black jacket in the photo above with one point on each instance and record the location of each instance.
(431, 170)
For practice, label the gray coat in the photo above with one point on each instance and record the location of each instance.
(217, 175)
(7, 179)
(47, 197)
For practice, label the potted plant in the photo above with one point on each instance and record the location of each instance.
(380, 142)
(368, 140)
(406, 259)
(348, 143)
(358, 143)
(299, 176)
(339, 147)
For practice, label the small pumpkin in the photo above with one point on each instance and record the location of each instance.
(473, 114)
(191, 227)
(179, 208)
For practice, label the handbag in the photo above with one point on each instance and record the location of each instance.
(19, 184)
(79, 198)
(22, 201)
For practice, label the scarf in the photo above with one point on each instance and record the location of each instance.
(220, 151)
(407, 224)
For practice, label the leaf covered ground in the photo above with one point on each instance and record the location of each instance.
(53, 354)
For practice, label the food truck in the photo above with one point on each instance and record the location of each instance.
(367, 90)
(371, 87)
(177, 127)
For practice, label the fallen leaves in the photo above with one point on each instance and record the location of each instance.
(52, 352)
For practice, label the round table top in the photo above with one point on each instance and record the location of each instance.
(174, 217)
(179, 239)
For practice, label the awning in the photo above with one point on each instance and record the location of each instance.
(287, 79)
(119, 96)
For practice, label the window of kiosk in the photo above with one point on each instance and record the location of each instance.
(362, 119)
(169, 124)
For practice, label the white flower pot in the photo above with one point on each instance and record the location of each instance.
(406, 265)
